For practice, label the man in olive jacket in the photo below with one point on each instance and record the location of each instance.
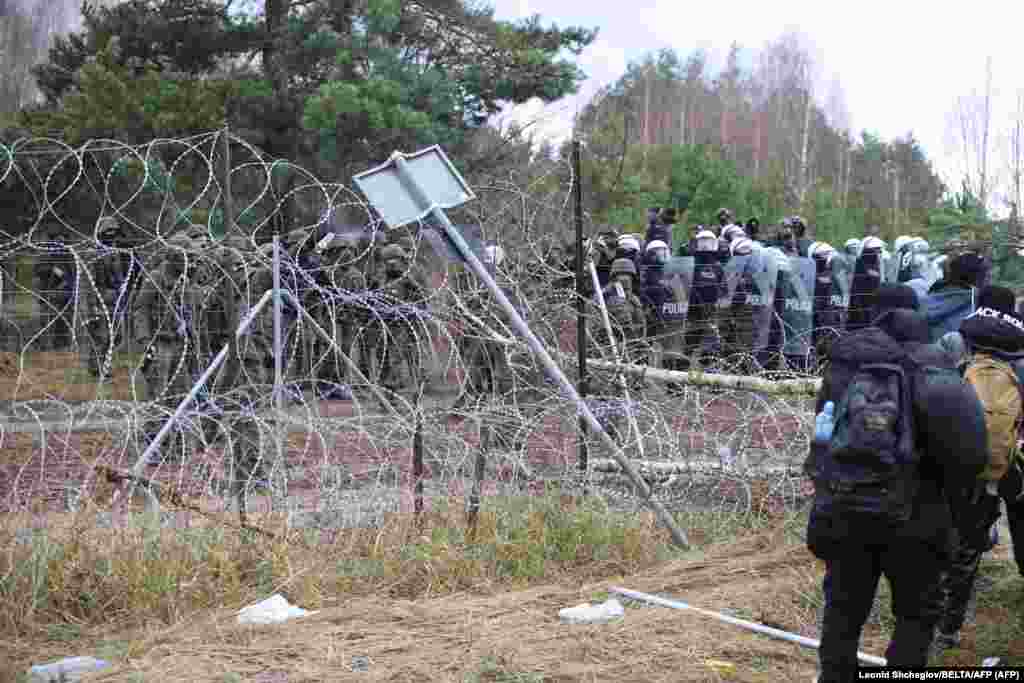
(950, 438)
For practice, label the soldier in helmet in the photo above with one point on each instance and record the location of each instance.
(867, 278)
(708, 283)
(102, 300)
(629, 325)
(165, 317)
(54, 278)
(346, 284)
(243, 387)
(400, 331)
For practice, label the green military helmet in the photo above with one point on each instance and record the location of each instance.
(392, 251)
(197, 232)
(623, 265)
(107, 224)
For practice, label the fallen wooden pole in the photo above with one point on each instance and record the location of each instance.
(654, 468)
(788, 387)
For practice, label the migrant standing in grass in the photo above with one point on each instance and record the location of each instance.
(989, 348)
(905, 423)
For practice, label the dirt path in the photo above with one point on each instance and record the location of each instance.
(478, 636)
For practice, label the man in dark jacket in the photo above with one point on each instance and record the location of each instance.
(996, 330)
(953, 298)
(950, 438)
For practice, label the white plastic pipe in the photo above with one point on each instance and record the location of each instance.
(742, 623)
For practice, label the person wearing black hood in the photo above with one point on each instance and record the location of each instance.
(953, 298)
(993, 330)
(859, 541)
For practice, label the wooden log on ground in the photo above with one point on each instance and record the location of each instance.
(783, 387)
(667, 468)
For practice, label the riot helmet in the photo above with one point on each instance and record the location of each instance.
(705, 241)
(657, 253)
(731, 232)
(852, 246)
(741, 246)
(627, 244)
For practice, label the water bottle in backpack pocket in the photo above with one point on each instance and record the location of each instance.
(869, 465)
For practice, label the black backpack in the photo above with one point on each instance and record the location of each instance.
(870, 468)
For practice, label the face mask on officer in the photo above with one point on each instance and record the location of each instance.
(658, 257)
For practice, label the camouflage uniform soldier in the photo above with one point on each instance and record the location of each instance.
(101, 301)
(243, 387)
(165, 311)
(53, 273)
(403, 332)
(337, 311)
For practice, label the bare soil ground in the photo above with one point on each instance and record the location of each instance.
(61, 376)
(508, 635)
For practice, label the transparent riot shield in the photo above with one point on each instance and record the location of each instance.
(797, 306)
(677, 276)
(763, 276)
(734, 268)
(866, 281)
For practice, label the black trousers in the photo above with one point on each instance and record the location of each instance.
(851, 579)
(974, 513)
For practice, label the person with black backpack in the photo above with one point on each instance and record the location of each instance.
(905, 423)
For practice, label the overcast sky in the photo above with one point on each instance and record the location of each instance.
(900, 62)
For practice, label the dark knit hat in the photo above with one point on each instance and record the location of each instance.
(998, 298)
(668, 216)
(968, 269)
(892, 296)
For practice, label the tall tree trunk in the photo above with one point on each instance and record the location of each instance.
(804, 170)
(983, 185)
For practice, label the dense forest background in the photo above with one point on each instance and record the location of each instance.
(335, 85)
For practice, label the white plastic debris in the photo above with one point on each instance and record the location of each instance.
(66, 670)
(273, 610)
(592, 614)
(990, 662)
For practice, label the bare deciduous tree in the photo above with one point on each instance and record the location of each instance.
(969, 135)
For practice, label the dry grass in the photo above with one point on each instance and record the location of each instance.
(431, 604)
(62, 376)
(432, 613)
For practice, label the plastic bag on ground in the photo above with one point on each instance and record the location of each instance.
(273, 610)
(66, 670)
(592, 614)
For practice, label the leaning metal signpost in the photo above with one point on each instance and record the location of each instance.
(408, 188)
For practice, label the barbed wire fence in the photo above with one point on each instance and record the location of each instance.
(133, 266)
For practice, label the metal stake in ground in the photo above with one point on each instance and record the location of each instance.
(426, 205)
